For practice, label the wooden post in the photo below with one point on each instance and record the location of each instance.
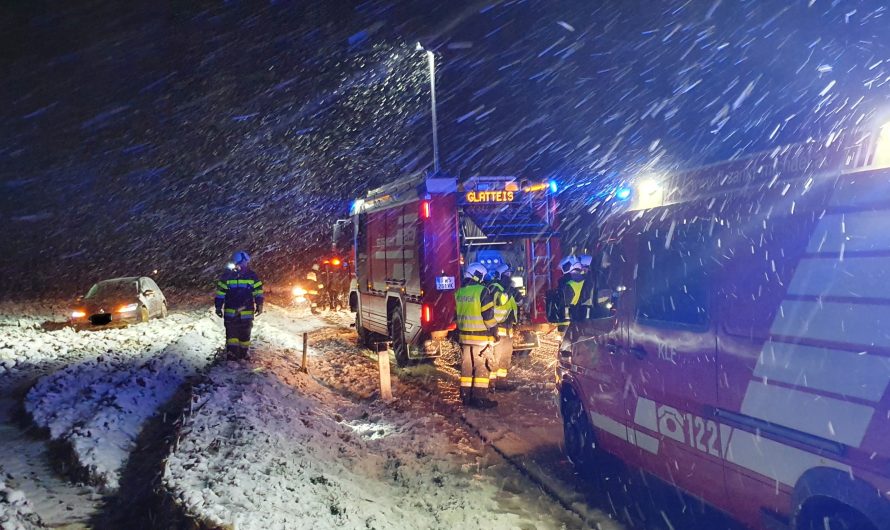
(383, 365)
(303, 366)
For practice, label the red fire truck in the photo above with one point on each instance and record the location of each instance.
(413, 236)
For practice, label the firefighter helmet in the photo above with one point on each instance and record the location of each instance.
(566, 264)
(475, 271)
(241, 258)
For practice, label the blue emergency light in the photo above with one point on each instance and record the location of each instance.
(553, 186)
(622, 193)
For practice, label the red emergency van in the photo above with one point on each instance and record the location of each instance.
(413, 236)
(745, 352)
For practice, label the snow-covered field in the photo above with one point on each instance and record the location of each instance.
(100, 404)
(267, 446)
(16, 512)
(92, 390)
(262, 445)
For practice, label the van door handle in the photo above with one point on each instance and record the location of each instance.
(638, 351)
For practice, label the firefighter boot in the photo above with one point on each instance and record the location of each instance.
(505, 386)
(482, 403)
(466, 394)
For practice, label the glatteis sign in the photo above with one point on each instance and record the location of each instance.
(489, 196)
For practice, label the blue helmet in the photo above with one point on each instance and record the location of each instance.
(241, 258)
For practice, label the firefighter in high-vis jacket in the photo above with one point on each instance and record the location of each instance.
(239, 297)
(477, 334)
(506, 312)
(571, 285)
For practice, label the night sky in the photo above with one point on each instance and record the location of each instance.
(136, 136)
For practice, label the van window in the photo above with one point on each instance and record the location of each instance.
(762, 257)
(673, 276)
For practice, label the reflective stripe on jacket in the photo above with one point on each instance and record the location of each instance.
(571, 291)
(241, 292)
(506, 311)
(474, 308)
(576, 286)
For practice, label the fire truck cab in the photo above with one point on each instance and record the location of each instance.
(747, 358)
(412, 238)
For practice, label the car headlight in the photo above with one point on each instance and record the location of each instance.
(298, 291)
(127, 308)
(78, 314)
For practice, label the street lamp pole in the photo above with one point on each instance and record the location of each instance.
(431, 59)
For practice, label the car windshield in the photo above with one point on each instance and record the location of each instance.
(112, 289)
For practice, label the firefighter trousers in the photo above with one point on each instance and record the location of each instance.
(476, 368)
(503, 353)
(238, 337)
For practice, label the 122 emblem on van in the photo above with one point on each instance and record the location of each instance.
(774, 459)
(689, 429)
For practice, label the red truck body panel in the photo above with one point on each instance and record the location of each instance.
(748, 359)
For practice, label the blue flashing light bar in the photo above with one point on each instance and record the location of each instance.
(553, 186)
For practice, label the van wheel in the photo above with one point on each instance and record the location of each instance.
(580, 440)
(397, 335)
(143, 314)
(835, 518)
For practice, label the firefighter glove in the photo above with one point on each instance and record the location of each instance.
(219, 312)
(259, 310)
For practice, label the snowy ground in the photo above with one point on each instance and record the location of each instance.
(524, 428)
(16, 512)
(269, 447)
(99, 404)
(71, 372)
(262, 445)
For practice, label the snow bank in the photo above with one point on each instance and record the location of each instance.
(99, 405)
(29, 314)
(15, 510)
(25, 348)
(268, 447)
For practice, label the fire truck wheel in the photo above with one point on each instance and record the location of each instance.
(580, 440)
(397, 335)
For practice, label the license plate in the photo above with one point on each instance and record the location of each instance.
(445, 283)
